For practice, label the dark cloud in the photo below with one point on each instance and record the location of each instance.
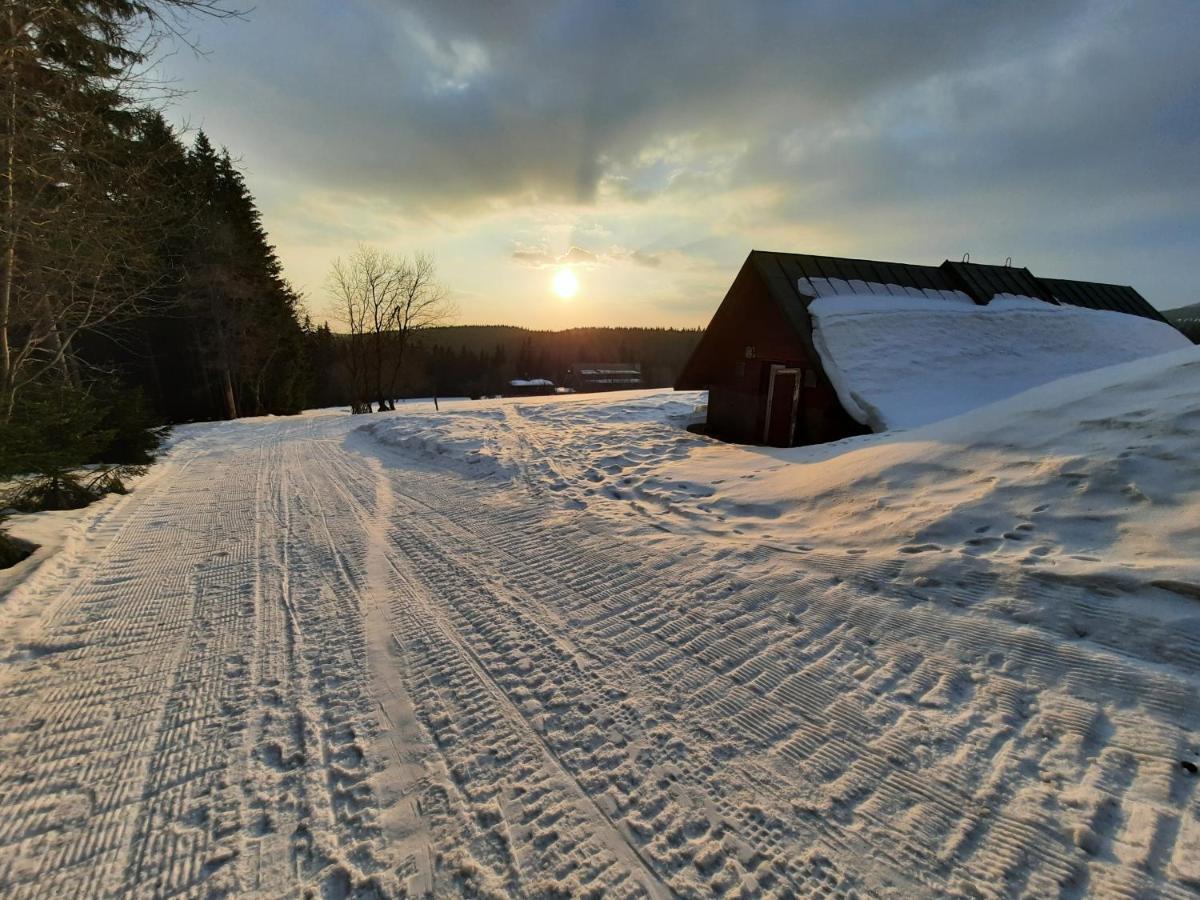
(440, 101)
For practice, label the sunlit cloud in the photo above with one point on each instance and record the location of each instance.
(541, 259)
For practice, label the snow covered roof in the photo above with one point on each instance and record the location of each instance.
(906, 361)
(634, 369)
(531, 382)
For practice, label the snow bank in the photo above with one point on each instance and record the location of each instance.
(466, 436)
(1098, 472)
(565, 441)
(902, 362)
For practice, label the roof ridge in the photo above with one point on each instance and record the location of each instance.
(979, 281)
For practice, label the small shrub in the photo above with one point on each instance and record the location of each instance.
(64, 446)
(59, 428)
(112, 481)
(13, 550)
(51, 491)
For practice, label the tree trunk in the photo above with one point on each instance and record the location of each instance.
(230, 402)
(10, 229)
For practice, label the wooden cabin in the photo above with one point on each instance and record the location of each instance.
(765, 380)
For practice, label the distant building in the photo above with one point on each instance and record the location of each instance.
(586, 377)
(529, 387)
(765, 378)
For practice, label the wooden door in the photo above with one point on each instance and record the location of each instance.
(783, 400)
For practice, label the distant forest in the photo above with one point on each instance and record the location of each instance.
(480, 360)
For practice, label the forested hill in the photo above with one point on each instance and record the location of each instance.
(1187, 320)
(471, 360)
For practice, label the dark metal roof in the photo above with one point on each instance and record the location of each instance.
(816, 276)
(795, 279)
(984, 282)
(1094, 295)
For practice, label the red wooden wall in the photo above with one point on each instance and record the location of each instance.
(747, 335)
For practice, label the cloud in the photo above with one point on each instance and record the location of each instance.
(1040, 128)
(449, 102)
(540, 259)
(577, 255)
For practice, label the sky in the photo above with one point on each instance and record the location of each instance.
(648, 147)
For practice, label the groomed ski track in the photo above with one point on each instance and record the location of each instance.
(294, 660)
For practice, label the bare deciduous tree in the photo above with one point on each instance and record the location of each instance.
(422, 303)
(384, 300)
(360, 287)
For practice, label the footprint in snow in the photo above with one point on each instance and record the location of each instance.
(981, 541)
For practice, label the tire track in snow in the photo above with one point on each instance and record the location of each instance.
(456, 603)
(324, 801)
(81, 775)
(422, 616)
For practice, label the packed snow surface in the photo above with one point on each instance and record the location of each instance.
(555, 647)
(901, 362)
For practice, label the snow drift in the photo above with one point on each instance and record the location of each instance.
(906, 361)
(1101, 469)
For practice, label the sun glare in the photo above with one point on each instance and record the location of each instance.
(566, 285)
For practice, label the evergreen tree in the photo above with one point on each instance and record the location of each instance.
(77, 202)
(126, 262)
(248, 337)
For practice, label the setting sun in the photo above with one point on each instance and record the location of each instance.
(566, 285)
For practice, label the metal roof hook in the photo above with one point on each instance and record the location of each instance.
(967, 256)
(1008, 262)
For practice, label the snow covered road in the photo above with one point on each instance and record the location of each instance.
(297, 659)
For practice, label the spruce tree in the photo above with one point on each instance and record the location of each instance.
(95, 230)
(76, 203)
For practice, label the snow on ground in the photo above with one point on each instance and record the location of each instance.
(553, 646)
(902, 362)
